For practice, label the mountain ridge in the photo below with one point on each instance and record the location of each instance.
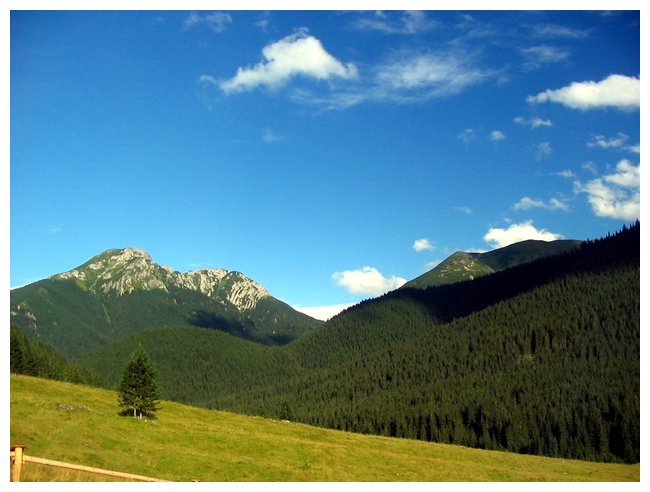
(214, 298)
(121, 291)
(113, 265)
(463, 265)
(540, 358)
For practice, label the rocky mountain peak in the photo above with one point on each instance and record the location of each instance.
(123, 271)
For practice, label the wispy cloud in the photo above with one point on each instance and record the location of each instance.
(616, 195)
(590, 166)
(367, 281)
(422, 245)
(403, 76)
(616, 91)
(408, 22)
(499, 238)
(467, 135)
(526, 203)
(602, 142)
(298, 54)
(497, 136)
(566, 173)
(473, 29)
(532, 122)
(269, 136)
(264, 20)
(554, 31)
(407, 76)
(217, 21)
(539, 56)
(543, 150)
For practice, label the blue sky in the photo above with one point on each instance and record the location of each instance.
(328, 155)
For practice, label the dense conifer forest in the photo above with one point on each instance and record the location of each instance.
(552, 368)
(542, 358)
(33, 358)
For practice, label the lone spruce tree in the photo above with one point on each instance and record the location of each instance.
(138, 390)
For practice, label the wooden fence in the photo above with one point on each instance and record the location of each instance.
(18, 458)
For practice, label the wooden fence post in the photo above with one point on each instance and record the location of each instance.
(16, 454)
(18, 457)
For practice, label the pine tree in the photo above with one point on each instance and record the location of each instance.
(17, 361)
(138, 390)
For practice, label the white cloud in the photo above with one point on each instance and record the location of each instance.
(467, 135)
(428, 74)
(269, 136)
(618, 91)
(367, 281)
(627, 175)
(557, 31)
(498, 238)
(604, 143)
(264, 21)
(294, 55)
(217, 21)
(465, 210)
(566, 173)
(538, 56)
(533, 122)
(322, 313)
(422, 245)
(405, 76)
(619, 141)
(409, 22)
(497, 135)
(526, 203)
(590, 166)
(617, 195)
(543, 150)
(208, 79)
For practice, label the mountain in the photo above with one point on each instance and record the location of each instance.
(467, 266)
(540, 358)
(122, 291)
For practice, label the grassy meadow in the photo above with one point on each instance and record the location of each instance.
(82, 425)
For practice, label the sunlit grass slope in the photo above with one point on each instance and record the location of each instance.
(81, 425)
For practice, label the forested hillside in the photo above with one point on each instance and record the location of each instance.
(33, 358)
(123, 291)
(542, 358)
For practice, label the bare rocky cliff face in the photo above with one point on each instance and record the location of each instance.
(123, 271)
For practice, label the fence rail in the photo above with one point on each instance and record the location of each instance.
(18, 458)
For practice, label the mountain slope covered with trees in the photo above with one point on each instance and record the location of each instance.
(541, 358)
(34, 358)
(120, 292)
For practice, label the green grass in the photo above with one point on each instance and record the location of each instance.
(82, 425)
